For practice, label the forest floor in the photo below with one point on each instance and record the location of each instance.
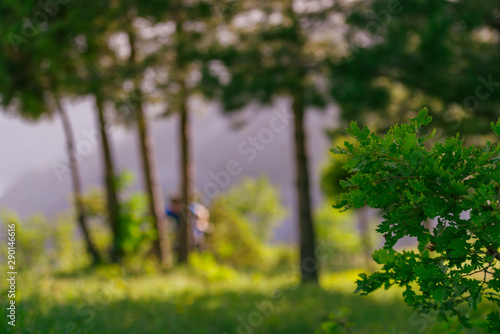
(185, 302)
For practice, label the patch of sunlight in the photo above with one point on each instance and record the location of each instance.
(345, 281)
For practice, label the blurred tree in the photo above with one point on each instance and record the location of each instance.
(138, 230)
(160, 66)
(136, 66)
(113, 204)
(77, 187)
(401, 56)
(32, 79)
(76, 44)
(81, 34)
(406, 55)
(273, 49)
(181, 41)
(169, 62)
(196, 25)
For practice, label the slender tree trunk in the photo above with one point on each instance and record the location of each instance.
(151, 180)
(117, 252)
(77, 188)
(185, 231)
(161, 246)
(308, 261)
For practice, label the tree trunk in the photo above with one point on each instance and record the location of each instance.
(77, 188)
(185, 231)
(363, 226)
(161, 246)
(308, 261)
(117, 252)
(151, 180)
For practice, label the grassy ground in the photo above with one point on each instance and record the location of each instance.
(181, 302)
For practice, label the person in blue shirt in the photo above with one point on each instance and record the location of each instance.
(173, 213)
(175, 210)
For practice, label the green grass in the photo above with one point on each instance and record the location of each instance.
(183, 302)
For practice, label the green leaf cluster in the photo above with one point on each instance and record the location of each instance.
(412, 180)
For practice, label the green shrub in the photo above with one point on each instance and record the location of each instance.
(258, 202)
(137, 232)
(205, 265)
(243, 219)
(31, 244)
(42, 245)
(338, 238)
(233, 241)
(403, 173)
(68, 251)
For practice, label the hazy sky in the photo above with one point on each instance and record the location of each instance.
(27, 146)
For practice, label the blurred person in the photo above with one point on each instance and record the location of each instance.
(200, 224)
(197, 220)
(174, 213)
(175, 210)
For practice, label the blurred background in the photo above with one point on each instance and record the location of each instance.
(27, 167)
(177, 153)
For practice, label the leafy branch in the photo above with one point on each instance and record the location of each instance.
(414, 179)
